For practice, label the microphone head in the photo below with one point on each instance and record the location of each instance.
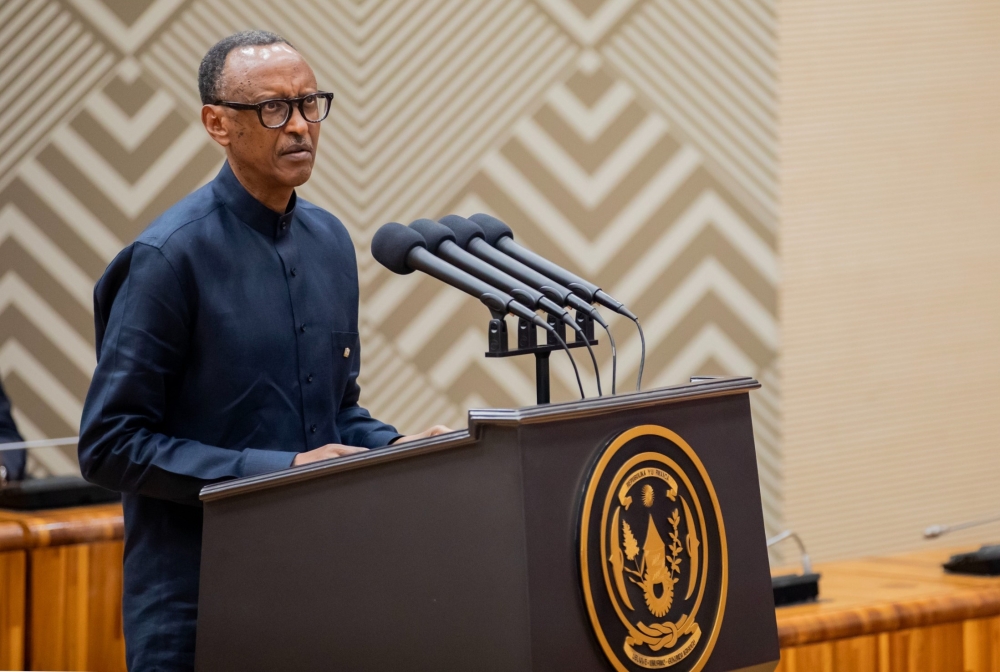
(935, 531)
(492, 227)
(433, 233)
(464, 229)
(392, 243)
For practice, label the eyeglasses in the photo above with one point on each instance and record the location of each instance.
(275, 113)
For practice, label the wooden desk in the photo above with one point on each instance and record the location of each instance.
(895, 613)
(72, 596)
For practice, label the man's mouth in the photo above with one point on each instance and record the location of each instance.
(300, 152)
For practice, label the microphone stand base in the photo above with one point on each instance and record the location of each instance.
(795, 588)
(527, 344)
(984, 562)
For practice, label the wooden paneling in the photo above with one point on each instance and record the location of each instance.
(76, 593)
(13, 576)
(70, 584)
(859, 654)
(955, 647)
(981, 644)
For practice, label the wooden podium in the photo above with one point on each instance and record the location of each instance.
(616, 533)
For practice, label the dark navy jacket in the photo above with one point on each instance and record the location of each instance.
(13, 459)
(227, 341)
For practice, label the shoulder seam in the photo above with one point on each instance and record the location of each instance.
(181, 226)
(173, 270)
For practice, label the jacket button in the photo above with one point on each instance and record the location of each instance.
(302, 328)
(294, 272)
(347, 352)
(309, 378)
(313, 429)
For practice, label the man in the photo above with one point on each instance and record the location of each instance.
(227, 339)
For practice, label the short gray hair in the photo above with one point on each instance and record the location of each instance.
(210, 70)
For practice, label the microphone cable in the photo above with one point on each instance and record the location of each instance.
(614, 358)
(597, 371)
(571, 361)
(642, 358)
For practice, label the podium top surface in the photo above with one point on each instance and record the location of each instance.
(480, 418)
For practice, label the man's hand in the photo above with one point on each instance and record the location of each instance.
(332, 450)
(327, 452)
(433, 431)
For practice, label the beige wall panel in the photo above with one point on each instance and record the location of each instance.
(890, 245)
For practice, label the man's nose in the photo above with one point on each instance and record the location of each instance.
(297, 124)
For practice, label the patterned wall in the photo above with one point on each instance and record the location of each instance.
(633, 141)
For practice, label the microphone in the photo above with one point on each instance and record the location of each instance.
(935, 531)
(983, 562)
(402, 250)
(501, 237)
(790, 534)
(794, 588)
(441, 242)
(470, 237)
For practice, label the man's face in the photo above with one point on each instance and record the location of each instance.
(274, 157)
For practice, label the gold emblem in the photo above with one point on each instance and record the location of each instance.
(347, 352)
(653, 555)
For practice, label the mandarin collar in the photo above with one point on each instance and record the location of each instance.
(248, 209)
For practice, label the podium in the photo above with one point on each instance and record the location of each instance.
(615, 533)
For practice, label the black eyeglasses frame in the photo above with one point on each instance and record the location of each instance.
(292, 102)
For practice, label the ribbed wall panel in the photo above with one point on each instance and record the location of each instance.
(890, 244)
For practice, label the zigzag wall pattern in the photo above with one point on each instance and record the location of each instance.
(712, 67)
(630, 140)
(47, 61)
(102, 174)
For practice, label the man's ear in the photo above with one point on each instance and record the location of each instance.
(216, 123)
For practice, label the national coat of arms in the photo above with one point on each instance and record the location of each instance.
(653, 556)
